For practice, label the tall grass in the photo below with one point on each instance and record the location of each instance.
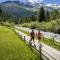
(13, 48)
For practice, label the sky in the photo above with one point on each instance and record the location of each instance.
(45, 1)
(52, 1)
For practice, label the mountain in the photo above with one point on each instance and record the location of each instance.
(17, 9)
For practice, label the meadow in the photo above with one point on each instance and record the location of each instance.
(13, 48)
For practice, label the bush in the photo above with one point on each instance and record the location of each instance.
(51, 26)
(2, 23)
(57, 29)
(7, 24)
(25, 25)
(34, 25)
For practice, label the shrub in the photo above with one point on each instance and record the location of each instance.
(34, 25)
(51, 26)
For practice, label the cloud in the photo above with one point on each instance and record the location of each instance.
(55, 6)
(33, 1)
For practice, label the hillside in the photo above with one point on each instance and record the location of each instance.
(16, 9)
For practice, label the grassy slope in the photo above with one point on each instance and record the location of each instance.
(12, 48)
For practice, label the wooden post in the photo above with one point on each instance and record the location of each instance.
(30, 42)
(53, 39)
(21, 36)
(40, 56)
(24, 38)
(34, 45)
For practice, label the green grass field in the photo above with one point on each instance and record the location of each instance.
(13, 48)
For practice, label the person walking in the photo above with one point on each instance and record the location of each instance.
(39, 36)
(32, 34)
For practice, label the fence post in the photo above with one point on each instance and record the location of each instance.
(53, 39)
(40, 55)
(30, 43)
(34, 45)
(21, 36)
(24, 38)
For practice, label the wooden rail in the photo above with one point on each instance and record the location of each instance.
(41, 52)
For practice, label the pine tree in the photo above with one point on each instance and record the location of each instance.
(33, 18)
(0, 11)
(47, 15)
(41, 15)
(55, 14)
(0, 14)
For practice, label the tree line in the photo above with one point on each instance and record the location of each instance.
(42, 15)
